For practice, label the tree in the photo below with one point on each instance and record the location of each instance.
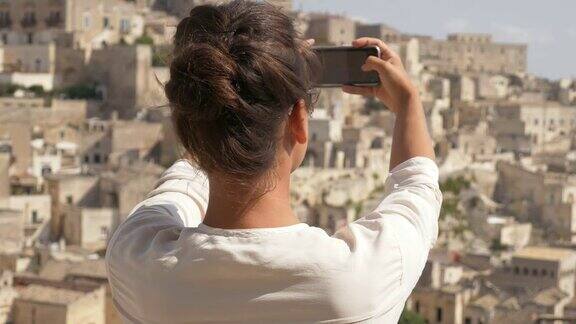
(409, 317)
(144, 40)
(38, 90)
(455, 185)
(81, 91)
(8, 89)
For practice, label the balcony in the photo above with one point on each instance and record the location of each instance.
(29, 21)
(53, 21)
(5, 22)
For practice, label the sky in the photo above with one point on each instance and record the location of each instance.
(548, 27)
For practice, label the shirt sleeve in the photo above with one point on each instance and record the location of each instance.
(406, 220)
(185, 189)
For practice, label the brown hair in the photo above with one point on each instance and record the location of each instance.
(237, 69)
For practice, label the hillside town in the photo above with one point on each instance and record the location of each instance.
(85, 133)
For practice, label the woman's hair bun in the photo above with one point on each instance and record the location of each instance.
(236, 71)
(201, 82)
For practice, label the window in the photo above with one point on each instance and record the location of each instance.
(4, 38)
(104, 231)
(124, 26)
(106, 22)
(544, 272)
(536, 122)
(467, 320)
(38, 65)
(86, 159)
(35, 219)
(534, 272)
(69, 200)
(54, 19)
(62, 134)
(30, 38)
(417, 307)
(526, 271)
(438, 314)
(87, 21)
(97, 159)
(516, 270)
(46, 170)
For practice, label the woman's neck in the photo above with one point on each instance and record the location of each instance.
(233, 208)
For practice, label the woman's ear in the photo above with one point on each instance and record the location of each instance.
(299, 122)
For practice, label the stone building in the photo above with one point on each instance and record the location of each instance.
(11, 231)
(444, 305)
(92, 272)
(481, 309)
(475, 142)
(331, 30)
(534, 269)
(477, 53)
(127, 76)
(492, 87)
(54, 305)
(524, 127)
(36, 211)
(286, 5)
(15, 137)
(567, 92)
(7, 295)
(134, 140)
(4, 179)
(462, 88)
(78, 23)
(89, 228)
(124, 188)
(545, 198)
(86, 209)
(46, 65)
(63, 137)
(380, 31)
(444, 289)
(70, 190)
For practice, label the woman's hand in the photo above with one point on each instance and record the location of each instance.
(396, 90)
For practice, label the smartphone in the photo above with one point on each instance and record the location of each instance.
(342, 66)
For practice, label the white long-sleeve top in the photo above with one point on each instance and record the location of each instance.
(165, 266)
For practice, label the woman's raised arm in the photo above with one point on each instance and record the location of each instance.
(396, 91)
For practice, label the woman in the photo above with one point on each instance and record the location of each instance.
(239, 91)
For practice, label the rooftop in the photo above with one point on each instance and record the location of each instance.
(59, 270)
(544, 253)
(486, 302)
(549, 297)
(50, 295)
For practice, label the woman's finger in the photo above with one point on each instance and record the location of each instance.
(385, 52)
(379, 65)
